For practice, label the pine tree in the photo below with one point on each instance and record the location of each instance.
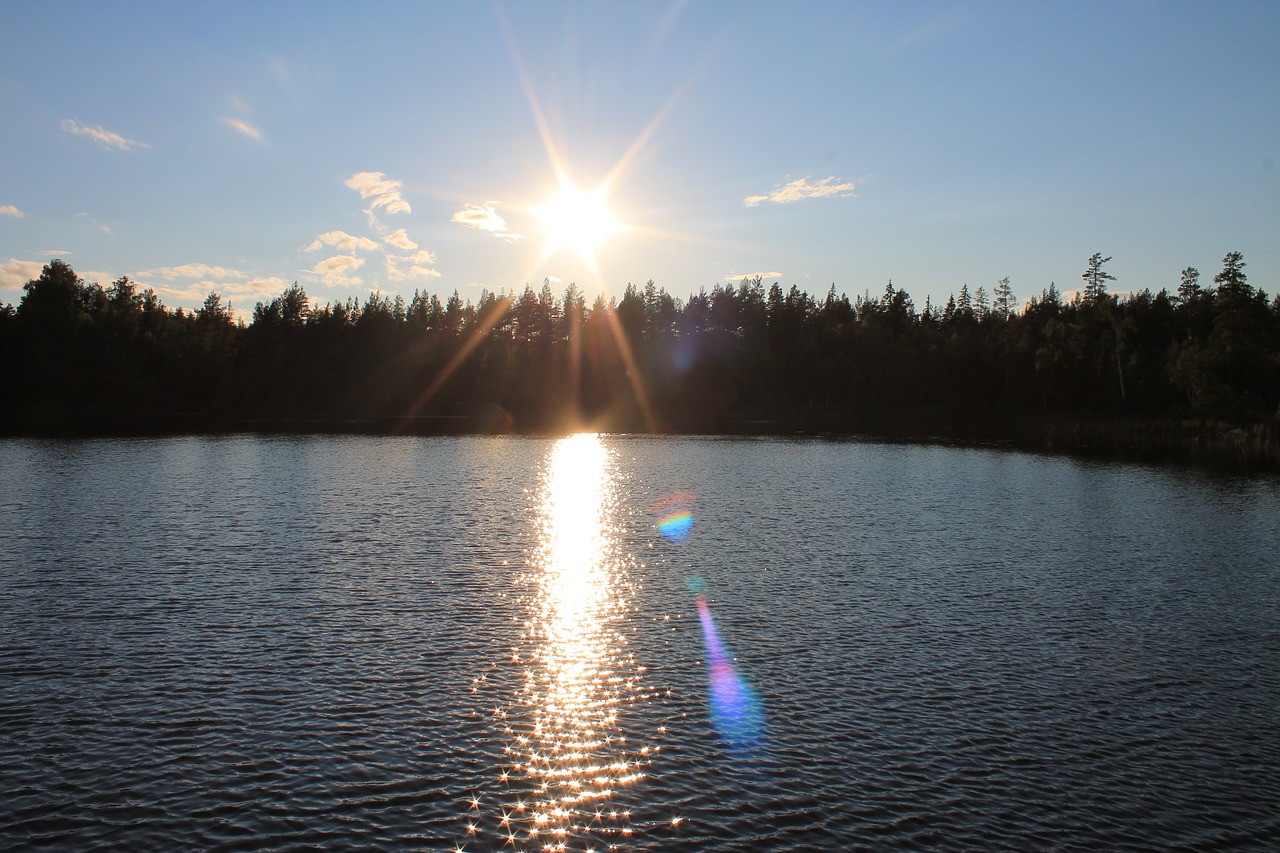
(1189, 288)
(1233, 284)
(1095, 279)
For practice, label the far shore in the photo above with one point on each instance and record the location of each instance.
(1252, 446)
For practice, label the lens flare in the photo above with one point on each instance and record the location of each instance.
(736, 712)
(675, 515)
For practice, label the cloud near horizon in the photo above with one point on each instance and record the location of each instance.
(15, 273)
(484, 217)
(191, 271)
(342, 241)
(384, 192)
(801, 189)
(11, 210)
(243, 128)
(735, 277)
(234, 294)
(334, 270)
(101, 135)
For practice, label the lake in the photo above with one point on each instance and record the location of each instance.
(631, 643)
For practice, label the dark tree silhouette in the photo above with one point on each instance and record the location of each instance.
(738, 357)
(1095, 278)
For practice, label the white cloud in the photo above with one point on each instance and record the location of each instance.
(235, 295)
(735, 277)
(11, 210)
(334, 270)
(342, 241)
(415, 266)
(484, 217)
(243, 127)
(273, 285)
(481, 216)
(191, 271)
(384, 192)
(56, 253)
(15, 273)
(98, 276)
(400, 240)
(800, 189)
(101, 135)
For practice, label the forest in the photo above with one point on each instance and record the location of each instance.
(1125, 369)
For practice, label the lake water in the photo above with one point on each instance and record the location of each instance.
(490, 644)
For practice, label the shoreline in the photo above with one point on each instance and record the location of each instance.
(1245, 446)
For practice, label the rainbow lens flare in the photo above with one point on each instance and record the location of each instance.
(675, 515)
(736, 712)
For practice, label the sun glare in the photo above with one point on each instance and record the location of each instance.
(570, 751)
(577, 220)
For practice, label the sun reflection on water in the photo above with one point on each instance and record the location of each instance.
(569, 749)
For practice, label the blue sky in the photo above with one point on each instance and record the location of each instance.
(239, 147)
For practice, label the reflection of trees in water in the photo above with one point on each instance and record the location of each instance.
(736, 354)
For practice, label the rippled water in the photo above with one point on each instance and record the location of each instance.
(443, 643)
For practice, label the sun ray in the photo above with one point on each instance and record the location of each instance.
(535, 106)
(481, 330)
(633, 371)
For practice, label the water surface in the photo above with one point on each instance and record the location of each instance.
(434, 643)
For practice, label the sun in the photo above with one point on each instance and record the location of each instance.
(577, 220)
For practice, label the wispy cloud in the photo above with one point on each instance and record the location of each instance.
(11, 210)
(484, 217)
(415, 266)
(191, 271)
(101, 135)
(95, 223)
(342, 241)
(15, 273)
(335, 270)
(384, 192)
(55, 253)
(735, 277)
(243, 127)
(801, 189)
(924, 32)
(400, 240)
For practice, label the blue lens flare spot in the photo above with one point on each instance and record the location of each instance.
(674, 514)
(676, 526)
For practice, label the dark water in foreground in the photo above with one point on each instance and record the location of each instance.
(443, 643)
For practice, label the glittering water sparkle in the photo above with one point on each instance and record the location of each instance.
(569, 750)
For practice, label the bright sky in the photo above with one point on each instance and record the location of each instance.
(240, 146)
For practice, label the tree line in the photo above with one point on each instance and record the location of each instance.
(744, 357)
